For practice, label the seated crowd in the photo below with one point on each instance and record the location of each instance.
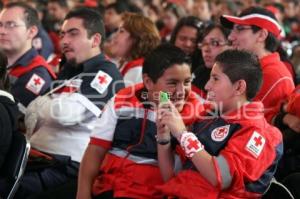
(151, 99)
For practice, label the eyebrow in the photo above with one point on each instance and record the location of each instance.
(70, 30)
(10, 21)
(176, 80)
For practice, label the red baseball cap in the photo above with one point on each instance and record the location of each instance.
(262, 20)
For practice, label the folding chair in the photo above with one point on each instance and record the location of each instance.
(15, 163)
(292, 182)
(277, 190)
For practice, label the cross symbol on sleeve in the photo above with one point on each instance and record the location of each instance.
(192, 144)
(102, 79)
(37, 81)
(258, 141)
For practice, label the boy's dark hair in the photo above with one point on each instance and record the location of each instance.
(242, 65)
(30, 14)
(161, 58)
(4, 83)
(271, 42)
(92, 21)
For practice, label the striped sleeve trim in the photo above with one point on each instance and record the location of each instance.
(226, 178)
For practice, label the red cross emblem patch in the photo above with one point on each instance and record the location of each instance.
(220, 133)
(101, 82)
(256, 144)
(35, 84)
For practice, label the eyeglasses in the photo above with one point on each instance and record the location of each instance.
(212, 43)
(239, 29)
(10, 25)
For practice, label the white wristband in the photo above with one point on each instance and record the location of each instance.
(190, 144)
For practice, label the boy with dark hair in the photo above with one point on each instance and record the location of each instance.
(126, 131)
(59, 123)
(233, 155)
(257, 30)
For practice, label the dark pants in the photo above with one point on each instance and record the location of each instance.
(292, 182)
(65, 191)
(37, 179)
(290, 161)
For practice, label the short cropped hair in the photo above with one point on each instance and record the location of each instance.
(30, 14)
(162, 58)
(242, 65)
(92, 21)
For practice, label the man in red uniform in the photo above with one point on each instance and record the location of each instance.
(233, 155)
(126, 130)
(256, 30)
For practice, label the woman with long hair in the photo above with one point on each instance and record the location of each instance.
(136, 37)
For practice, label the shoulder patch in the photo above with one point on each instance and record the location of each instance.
(220, 133)
(35, 84)
(256, 144)
(101, 82)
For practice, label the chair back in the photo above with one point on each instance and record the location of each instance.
(277, 190)
(14, 166)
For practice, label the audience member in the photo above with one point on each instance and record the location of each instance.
(213, 41)
(126, 131)
(135, 39)
(231, 155)
(256, 30)
(29, 73)
(59, 123)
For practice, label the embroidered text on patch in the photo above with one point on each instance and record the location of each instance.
(35, 84)
(256, 144)
(101, 82)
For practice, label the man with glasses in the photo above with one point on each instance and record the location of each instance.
(257, 30)
(60, 122)
(29, 73)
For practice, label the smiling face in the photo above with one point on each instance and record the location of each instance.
(220, 90)
(75, 43)
(176, 80)
(186, 39)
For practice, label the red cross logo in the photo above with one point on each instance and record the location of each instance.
(221, 132)
(192, 144)
(258, 141)
(102, 79)
(37, 81)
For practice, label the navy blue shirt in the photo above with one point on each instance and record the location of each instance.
(26, 86)
(87, 71)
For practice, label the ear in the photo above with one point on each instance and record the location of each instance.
(96, 40)
(148, 82)
(33, 31)
(262, 35)
(240, 87)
